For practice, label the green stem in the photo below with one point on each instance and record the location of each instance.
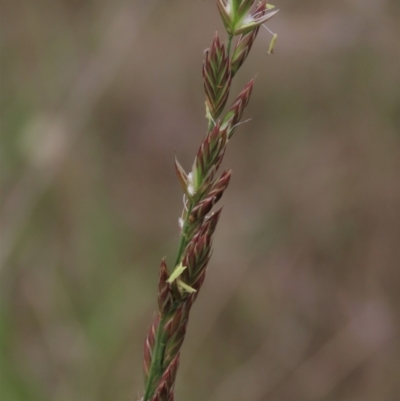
(156, 367)
(229, 44)
(183, 240)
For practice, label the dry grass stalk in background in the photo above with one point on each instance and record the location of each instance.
(178, 288)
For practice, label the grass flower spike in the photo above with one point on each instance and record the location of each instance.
(179, 287)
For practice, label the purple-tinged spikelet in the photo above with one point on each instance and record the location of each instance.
(149, 346)
(233, 116)
(209, 158)
(217, 77)
(165, 389)
(183, 178)
(211, 198)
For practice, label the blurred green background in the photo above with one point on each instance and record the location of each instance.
(302, 297)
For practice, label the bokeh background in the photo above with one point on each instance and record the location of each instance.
(302, 297)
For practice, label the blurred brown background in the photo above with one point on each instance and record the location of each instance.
(302, 298)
